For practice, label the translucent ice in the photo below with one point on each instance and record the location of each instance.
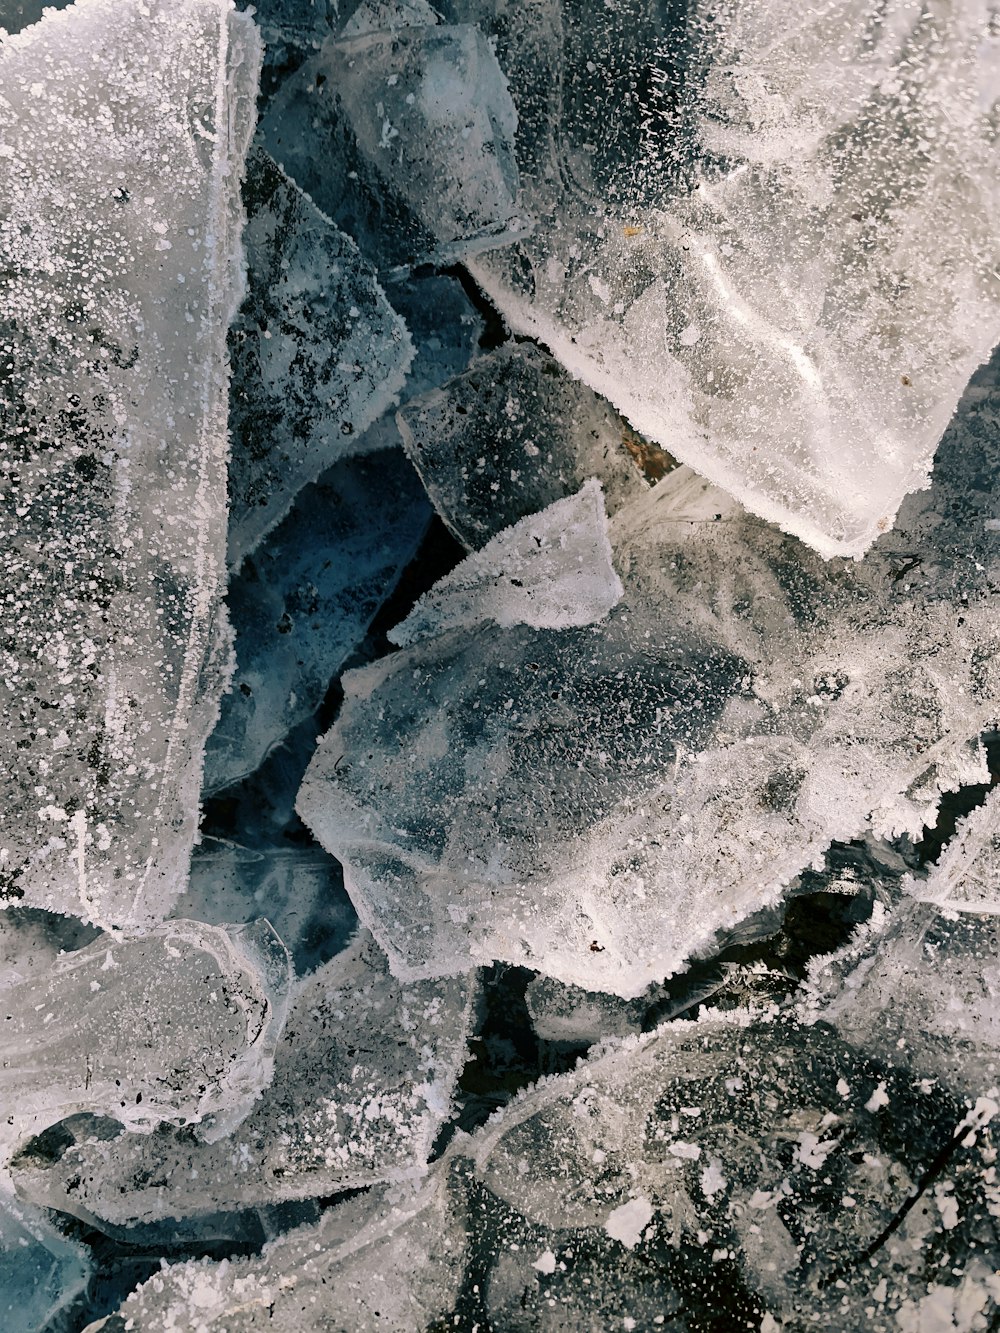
(122, 133)
(177, 1024)
(552, 570)
(405, 139)
(363, 1077)
(730, 1174)
(304, 600)
(767, 234)
(510, 436)
(41, 1271)
(318, 353)
(600, 804)
(967, 878)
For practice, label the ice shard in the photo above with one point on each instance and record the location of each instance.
(551, 570)
(405, 139)
(177, 1024)
(304, 600)
(766, 234)
(41, 1270)
(600, 804)
(364, 1076)
(123, 128)
(512, 435)
(318, 353)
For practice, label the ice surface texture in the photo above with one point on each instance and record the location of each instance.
(599, 803)
(122, 132)
(766, 232)
(318, 353)
(363, 1077)
(405, 139)
(729, 1172)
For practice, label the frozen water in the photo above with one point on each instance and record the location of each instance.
(967, 878)
(318, 353)
(406, 140)
(41, 1271)
(767, 234)
(364, 1076)
(178, 1023)
(122, 133)
(728, 1172)
(304, 600)
(552, 570)
(599, 806)
(510, 436)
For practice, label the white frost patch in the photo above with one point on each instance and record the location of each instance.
(628, 1222)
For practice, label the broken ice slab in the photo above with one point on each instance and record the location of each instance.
(920, 984)
(318, 353)
(389, 1258)
(405, 139)
(753, 237)
(599, 805)
(41, 1271)
(31, 940)
(178, 1024)
(567, 1014)
(512, 435)
(304, 600)
(364, 1077)
(732, 1173)
(551, 570)
(119, 235)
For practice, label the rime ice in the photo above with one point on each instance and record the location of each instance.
(122, 132)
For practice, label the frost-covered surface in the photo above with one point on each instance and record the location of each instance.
(364, 1076)
(767, 233)
(176, 1024)
(122, 132)
(598, 803)
(318, 354)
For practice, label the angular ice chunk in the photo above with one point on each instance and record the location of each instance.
(568, 1014)
(599, 806)
(318, 353)
(122, 133)
(364, 1077)
(389, 16)
(406, 140)
(766, 256)
(41, 1271)
(510, 436)
(177, 1024)
(304, 600)
(552, 570)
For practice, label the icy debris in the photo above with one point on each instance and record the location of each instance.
(318, 353)
(364, 1076)
(41, 1271)
(178, 1024)
(388, 16)
(967, 878)
(406, 140)
(753, 235)
(600, 806)
(304, 600)
(552, 571)
(389, 1259)
(513, 434)
(665, 1178)
(122, 134)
